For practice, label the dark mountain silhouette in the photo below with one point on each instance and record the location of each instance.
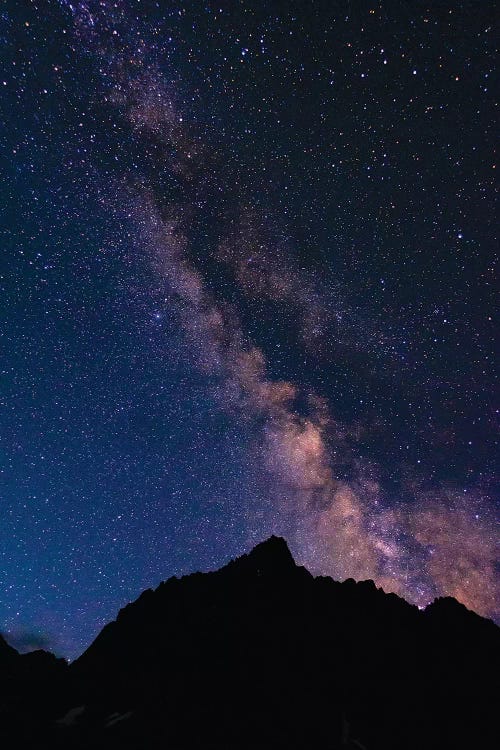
(261, 655)
(32, 688)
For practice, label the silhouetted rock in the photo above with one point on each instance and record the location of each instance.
(261, 654)
(32, 692)
(8, 655)
(271, 557)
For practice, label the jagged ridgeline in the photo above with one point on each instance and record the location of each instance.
(257, 655)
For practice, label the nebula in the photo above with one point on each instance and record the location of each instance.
(323, 492)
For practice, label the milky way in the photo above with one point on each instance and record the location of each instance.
(441, 544)
(292, 344)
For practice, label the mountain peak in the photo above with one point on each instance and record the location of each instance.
(270, 558)
(275, 548)
(232, 649)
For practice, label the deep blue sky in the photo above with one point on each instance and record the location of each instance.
(328, 170)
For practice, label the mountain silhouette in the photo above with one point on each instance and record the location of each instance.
(262, 655)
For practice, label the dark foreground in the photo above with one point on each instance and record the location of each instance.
(262, 655)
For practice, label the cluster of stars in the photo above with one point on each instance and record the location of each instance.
(249, 289)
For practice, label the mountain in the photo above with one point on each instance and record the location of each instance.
(32, 688)
(262, 655)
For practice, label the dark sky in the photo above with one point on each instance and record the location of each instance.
(247, 287)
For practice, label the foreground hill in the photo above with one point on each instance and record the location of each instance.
(262, 655)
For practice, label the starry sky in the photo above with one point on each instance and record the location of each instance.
(247, 288)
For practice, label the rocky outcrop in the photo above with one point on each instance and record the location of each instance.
(261, 654)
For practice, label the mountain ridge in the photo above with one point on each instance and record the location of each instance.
(261, 654)
(275, 552)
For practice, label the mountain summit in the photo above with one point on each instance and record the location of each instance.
(261, 655)
(271, 557)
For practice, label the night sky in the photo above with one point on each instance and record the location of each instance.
(246, 288)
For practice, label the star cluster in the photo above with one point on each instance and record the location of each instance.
(248, 288)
